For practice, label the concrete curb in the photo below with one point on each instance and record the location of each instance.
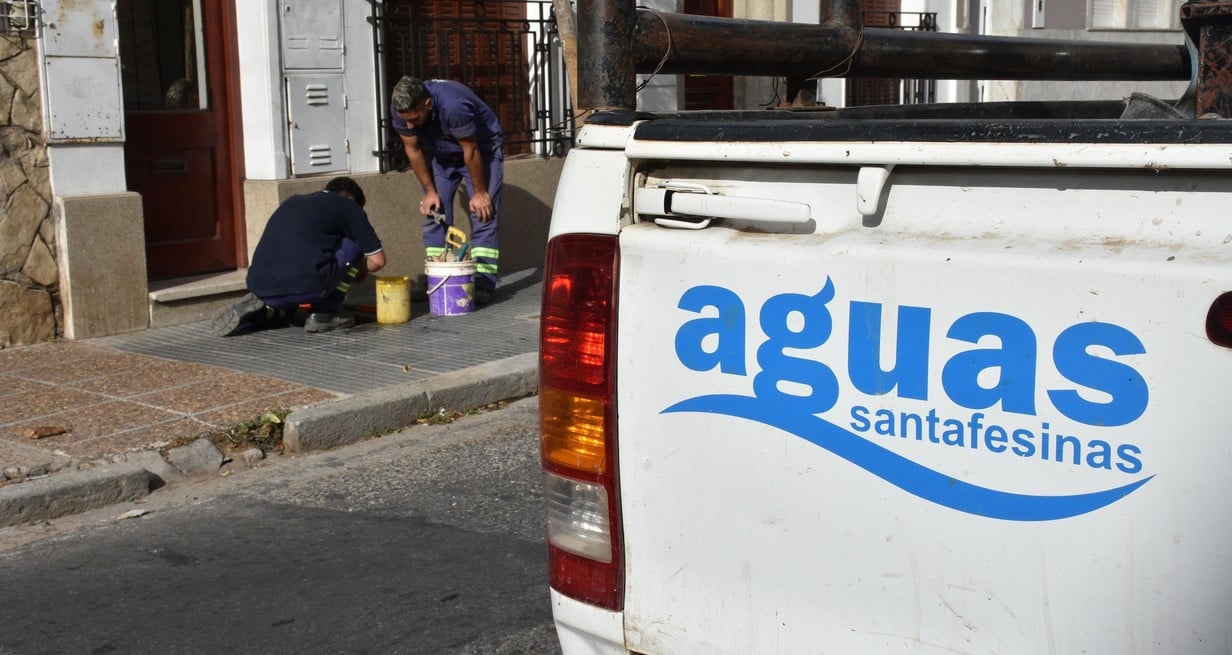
(70, 493)
(353, 419)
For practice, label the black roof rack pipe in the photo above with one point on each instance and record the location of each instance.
(841, 13)
(940, 55)
(606, 77)
(728, 46)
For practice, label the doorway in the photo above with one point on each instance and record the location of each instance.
(177, 58)
(708, 91)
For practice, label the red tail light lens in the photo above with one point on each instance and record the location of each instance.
(577, 412)
(1219, 321)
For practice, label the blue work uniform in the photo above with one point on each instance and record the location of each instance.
(458, 113)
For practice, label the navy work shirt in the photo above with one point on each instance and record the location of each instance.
(296, 252)
(456, 113)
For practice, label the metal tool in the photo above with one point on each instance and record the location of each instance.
(453, 237)
(457, 238)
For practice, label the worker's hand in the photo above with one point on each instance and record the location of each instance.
(430, 204)
(481, 206)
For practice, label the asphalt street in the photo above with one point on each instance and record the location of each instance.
(430, 540)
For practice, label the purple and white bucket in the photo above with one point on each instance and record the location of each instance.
(451, 287)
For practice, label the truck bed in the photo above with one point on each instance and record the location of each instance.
(935, 386)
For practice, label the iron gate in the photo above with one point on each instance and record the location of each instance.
(507, 51)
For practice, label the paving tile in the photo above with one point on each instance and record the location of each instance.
(224, 391)
(85, 365)
(42, 354)
(253, 409)
(90, 422)
(45, 403)
(147, 437)
(146, 374)
(14, 384)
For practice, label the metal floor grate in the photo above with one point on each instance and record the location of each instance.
(369, 356)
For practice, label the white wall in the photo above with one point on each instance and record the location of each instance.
(1010, 18)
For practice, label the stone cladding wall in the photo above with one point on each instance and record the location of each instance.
(30, 309)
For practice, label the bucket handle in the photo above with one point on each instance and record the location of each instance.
(439, 284)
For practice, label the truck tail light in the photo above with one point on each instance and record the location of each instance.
(577, 418)
(1219, 321)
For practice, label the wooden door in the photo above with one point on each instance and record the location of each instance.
(177, 62)
(708, 91)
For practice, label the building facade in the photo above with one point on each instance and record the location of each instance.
(147, 141)
(150, 140)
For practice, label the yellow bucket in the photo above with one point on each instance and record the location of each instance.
(393, 299)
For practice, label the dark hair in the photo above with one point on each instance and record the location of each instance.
(180, 94)
(408, 93)
(345, 186)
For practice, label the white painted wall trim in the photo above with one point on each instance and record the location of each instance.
(360, 83)
(262, 98)
(86, 169)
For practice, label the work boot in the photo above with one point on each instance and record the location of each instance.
(324, 322)
(247, 314)
(483, 297)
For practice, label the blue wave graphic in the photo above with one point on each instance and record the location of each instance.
(903, 473)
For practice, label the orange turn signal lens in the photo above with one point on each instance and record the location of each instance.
(571, 429)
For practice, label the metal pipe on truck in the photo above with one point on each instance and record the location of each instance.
(616, 41)
(726, 46)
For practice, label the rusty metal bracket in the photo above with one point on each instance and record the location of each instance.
(1209, 26)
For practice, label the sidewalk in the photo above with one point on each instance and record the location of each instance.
(93, 422)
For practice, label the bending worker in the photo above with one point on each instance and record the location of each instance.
(444, 122)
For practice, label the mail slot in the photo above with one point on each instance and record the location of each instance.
(170, 166)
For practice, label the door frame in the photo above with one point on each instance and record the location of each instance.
(218, 32)
(235, 126)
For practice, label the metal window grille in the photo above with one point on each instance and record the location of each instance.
(863, 91)
(18, 15)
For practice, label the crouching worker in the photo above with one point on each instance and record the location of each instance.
(314, 246)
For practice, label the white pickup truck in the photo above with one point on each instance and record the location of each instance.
(861, 383)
